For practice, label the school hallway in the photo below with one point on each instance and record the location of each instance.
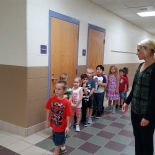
(109, 135)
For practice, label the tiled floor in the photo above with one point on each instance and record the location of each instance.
(109, 135)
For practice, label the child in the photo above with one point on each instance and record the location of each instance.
(122, 87)
(127, 79)
(112, 89)
(91, 86)
(58, 117)
(76, 102)
(68, 93)
(86, 91)
(99, 91)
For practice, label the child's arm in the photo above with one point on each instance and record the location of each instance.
(103, 83)
(85, 90)
(68, 122)
(125, 89)
(91, 92)
(48, 118)
(80, 97)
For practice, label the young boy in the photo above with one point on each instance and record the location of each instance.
(59, 113)
(99, 91)
(122, 87)
(86, 91)
(91, 86)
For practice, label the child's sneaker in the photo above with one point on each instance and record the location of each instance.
(120, 107)
(63, 151)
(90, 121)
(85, 124)
(98, 115)
(107, 109)
(113, 110)
(77, 128)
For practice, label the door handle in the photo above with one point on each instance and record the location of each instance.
(52, 78)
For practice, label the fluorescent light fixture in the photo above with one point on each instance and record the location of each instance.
(146, 14)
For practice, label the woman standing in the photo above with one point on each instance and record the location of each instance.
(142, 98)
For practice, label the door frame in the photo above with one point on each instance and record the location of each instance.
(94, 27)
(65, 18)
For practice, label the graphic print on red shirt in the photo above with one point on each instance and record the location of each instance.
(122, 83)
(59, 110)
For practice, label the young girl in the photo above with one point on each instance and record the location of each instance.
(76, 102)
(112, 89)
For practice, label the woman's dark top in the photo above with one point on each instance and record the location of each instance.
(142, 95)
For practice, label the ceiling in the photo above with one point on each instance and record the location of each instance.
(128, 9)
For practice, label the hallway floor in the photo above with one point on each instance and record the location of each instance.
(109, 135)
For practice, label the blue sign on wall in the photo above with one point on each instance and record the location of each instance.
(43, 49)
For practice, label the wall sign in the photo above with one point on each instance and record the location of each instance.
(43, 49)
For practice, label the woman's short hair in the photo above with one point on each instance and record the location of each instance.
(148, 43)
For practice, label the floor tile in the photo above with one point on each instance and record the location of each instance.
(33, 139)
(7, 140)
(19, 146)
(36, 151)
(2, 135)
(104, 121)
(111, 118)
(74, 142)
(132, 143)
(126, 117)
(5, 151)
(98, 140)
(83, 135)
(116, 115)
(79, 152)
(122, 139)
(45, 133)
(123, 121)
(106, 151)
(89, 147)
(72, 132)
(129, 150)
(91, 130)
(126, 133)
(115, 146)
(112, 129)
(98, 125)
(106, 134)
(46, 144)
(49, 153)
(128, 127)
(118, 125)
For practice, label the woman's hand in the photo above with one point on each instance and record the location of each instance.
(125, 107)
(144, 122)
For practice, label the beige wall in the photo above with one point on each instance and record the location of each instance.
(23, 92)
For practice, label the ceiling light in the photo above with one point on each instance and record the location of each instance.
(146, 14)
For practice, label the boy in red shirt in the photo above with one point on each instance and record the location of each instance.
(122, 87)
(58, 117)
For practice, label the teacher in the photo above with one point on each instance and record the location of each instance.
(142, 99)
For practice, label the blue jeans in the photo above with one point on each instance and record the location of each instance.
(98, 102)
(59, 138)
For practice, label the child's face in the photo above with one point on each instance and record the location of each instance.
(59, 90)
(121, 73)
(89, 74)
(113, 70)
(99, 71)
(66, 80)
(76, 83)
(84, 81)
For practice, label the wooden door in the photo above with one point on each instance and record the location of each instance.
(64, 42)
(95, 48)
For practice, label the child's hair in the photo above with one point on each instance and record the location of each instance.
(116, 70)
(78, 78)
(125, 69)
(122, 70)
(90, 69)
(101, 66)
(83, 76)
(63, 83)
(63, 77)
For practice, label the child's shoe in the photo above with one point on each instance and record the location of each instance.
(113, 110)
(77, 128)
(85, 124)
(71, 125)
(90, 121)
(63, 151)
(120, 107)
(107, 109)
